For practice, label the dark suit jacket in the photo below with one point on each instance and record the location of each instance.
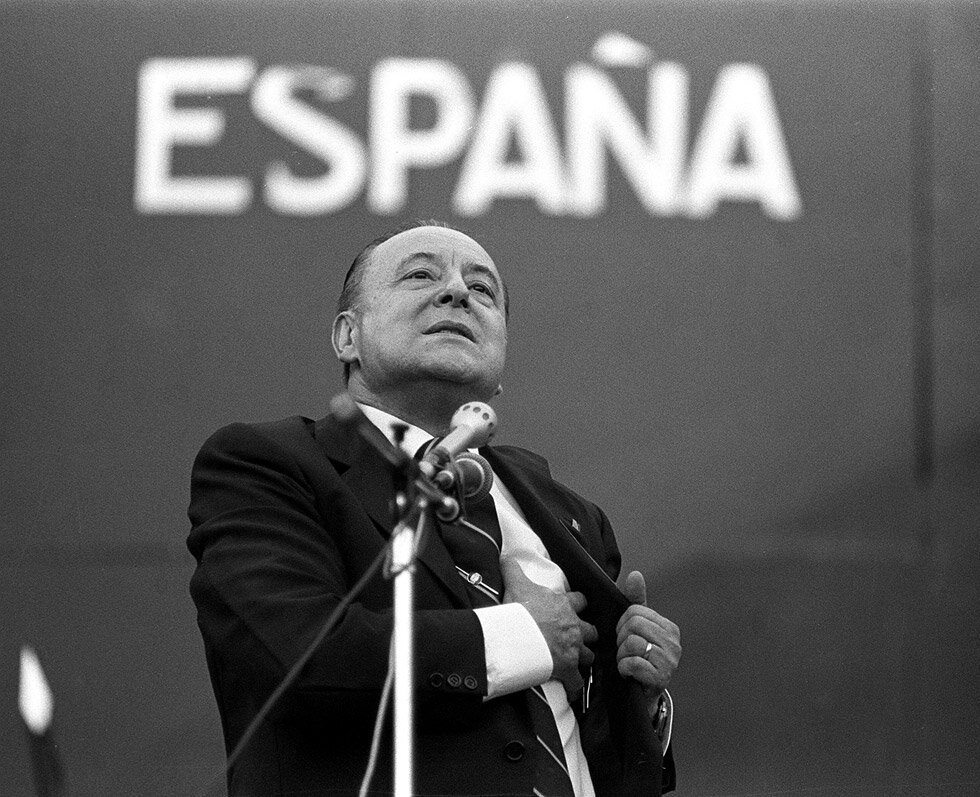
(286, 516)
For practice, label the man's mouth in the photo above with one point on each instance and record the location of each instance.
(453, 327)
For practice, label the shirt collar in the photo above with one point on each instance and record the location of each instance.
(414, 437)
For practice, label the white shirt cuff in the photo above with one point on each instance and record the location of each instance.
(517, 655)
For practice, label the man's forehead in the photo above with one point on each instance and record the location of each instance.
(433, 243)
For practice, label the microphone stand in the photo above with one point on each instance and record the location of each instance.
(404, 541)
(416, 499)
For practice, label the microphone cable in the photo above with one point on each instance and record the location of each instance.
(290, 677)
(379, 722)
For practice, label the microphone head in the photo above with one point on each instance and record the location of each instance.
(475, 476)
(480, 418)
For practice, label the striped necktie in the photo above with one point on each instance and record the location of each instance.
(474, 543)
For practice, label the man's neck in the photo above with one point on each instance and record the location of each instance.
(430, 407)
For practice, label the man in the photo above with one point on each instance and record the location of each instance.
(287, 516)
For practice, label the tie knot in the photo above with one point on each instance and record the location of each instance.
(427, 446)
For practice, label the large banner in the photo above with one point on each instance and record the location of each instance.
(739, 242)
(504, 145)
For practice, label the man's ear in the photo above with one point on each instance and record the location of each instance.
(344, 337)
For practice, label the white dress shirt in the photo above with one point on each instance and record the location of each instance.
(516, 652)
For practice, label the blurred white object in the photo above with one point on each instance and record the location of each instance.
(36, 702)
(618, 49)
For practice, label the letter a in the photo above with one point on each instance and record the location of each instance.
(742, 109)
(514, 107)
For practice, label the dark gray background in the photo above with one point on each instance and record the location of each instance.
(780, 417)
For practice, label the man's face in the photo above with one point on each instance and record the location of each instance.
(430, 305)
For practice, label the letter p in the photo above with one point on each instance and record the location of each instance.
(395, 147)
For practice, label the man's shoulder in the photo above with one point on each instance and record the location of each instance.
(523, 458)
(535, 469)
(282, 431)
(296, 445)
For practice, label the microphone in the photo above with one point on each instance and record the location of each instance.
(474, 475)
(472, 426)
(448, 463)
(469, 477)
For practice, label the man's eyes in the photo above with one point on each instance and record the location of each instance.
(482, 287)
(476, 285)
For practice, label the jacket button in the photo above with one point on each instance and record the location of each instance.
(454, 680)
(514, 751)
(470, 682)
(435, 680)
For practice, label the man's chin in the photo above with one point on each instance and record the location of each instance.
(466, 377)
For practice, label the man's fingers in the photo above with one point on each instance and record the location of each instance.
(649, 624)
(577, 601)
(651, 668)
(635, 645)
(511, 570)
(589, 633)
(635, 588)
(648, 645)
(637, 617)
(642, 671)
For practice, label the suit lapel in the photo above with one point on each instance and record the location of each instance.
(369, 478)
(531, 488)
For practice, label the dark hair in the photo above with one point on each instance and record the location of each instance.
(355, 274)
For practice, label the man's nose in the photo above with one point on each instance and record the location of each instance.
(455, 292)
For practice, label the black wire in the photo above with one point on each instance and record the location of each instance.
(290, 677)
(379, 723)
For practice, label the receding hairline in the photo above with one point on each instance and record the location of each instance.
(350, 291)
(484, 264)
